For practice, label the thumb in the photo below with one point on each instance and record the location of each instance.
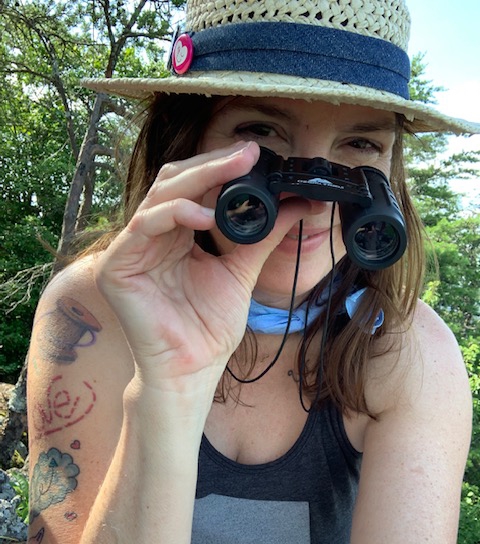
(247, 260)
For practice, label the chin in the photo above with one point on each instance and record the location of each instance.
(276, 279)
(274, 288)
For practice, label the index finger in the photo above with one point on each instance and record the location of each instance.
(193, 177)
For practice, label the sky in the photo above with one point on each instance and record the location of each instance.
(449, 35)
(448, 32)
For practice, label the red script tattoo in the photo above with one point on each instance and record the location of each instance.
(63, 407)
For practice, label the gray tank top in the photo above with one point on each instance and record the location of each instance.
(304, 497)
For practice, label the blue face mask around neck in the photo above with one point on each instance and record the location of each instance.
(267, 320)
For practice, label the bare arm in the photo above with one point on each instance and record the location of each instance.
(149, 490)
(176, 315)
(79, 366)
(415, 454)
(84, 439)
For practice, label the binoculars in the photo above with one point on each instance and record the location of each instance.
(373, 227)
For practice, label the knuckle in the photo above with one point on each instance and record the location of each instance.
(161, 182)
(138, 220)
(177, 206)
(168, 170)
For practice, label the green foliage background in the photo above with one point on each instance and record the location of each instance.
(41, 40)
(452, 283)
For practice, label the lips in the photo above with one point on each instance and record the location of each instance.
(312, 239)
(296, 236)
(307, 233)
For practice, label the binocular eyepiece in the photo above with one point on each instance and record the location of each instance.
(373, 227)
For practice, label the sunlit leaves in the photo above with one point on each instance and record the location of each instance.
(46, 48)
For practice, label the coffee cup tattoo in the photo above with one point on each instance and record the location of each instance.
(68, 327)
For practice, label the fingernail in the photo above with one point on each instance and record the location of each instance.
(247, 146)
(209, 212)
(239, 145)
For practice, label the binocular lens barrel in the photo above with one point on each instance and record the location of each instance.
(246, 215)
(246, 210)
(376, 241)
(374, 235)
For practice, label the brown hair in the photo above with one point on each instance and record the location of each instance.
(173, 126)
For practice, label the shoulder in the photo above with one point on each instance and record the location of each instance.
(421, 361)
(76, 279)
(77, 351)
(416, 449)
(76, 335)
(72, 297)
(73, 322)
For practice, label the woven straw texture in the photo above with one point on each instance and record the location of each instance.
(385, 19)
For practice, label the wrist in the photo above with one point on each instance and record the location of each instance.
(167, 408)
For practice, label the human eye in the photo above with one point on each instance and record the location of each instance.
(256, 130)
(364, 145)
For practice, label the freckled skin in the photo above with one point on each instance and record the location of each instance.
(145, 385)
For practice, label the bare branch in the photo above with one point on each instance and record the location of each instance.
(117, 108)
(105, 166)
(99, 149)
(106, 11)
(27, 70)
(23, 283)
(133, 19)
(150, 35)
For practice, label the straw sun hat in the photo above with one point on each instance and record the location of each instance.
(338, 51)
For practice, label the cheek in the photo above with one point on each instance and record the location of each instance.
(385, 165)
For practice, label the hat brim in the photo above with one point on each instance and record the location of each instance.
(420, 117)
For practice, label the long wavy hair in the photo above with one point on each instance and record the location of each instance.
(173, 125)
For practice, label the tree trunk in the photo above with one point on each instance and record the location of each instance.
(87, 200)
(83, 169)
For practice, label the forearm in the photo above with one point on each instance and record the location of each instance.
(149, 491)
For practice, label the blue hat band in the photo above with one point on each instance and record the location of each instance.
(305, 51)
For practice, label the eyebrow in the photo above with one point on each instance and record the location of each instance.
(253, 104)
(386, 125)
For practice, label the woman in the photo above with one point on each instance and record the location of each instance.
(156, 415)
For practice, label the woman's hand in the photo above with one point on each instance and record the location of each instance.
(184, 311)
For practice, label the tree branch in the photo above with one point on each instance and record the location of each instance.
(150, 35)
(104, 166)
(99, 149)
(23, 283)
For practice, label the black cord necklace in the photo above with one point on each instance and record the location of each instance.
(290, 313)
(324, 332)
(287, 328)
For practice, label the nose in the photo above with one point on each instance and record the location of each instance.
(316, 206)
(319, 206)
(310, 147)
